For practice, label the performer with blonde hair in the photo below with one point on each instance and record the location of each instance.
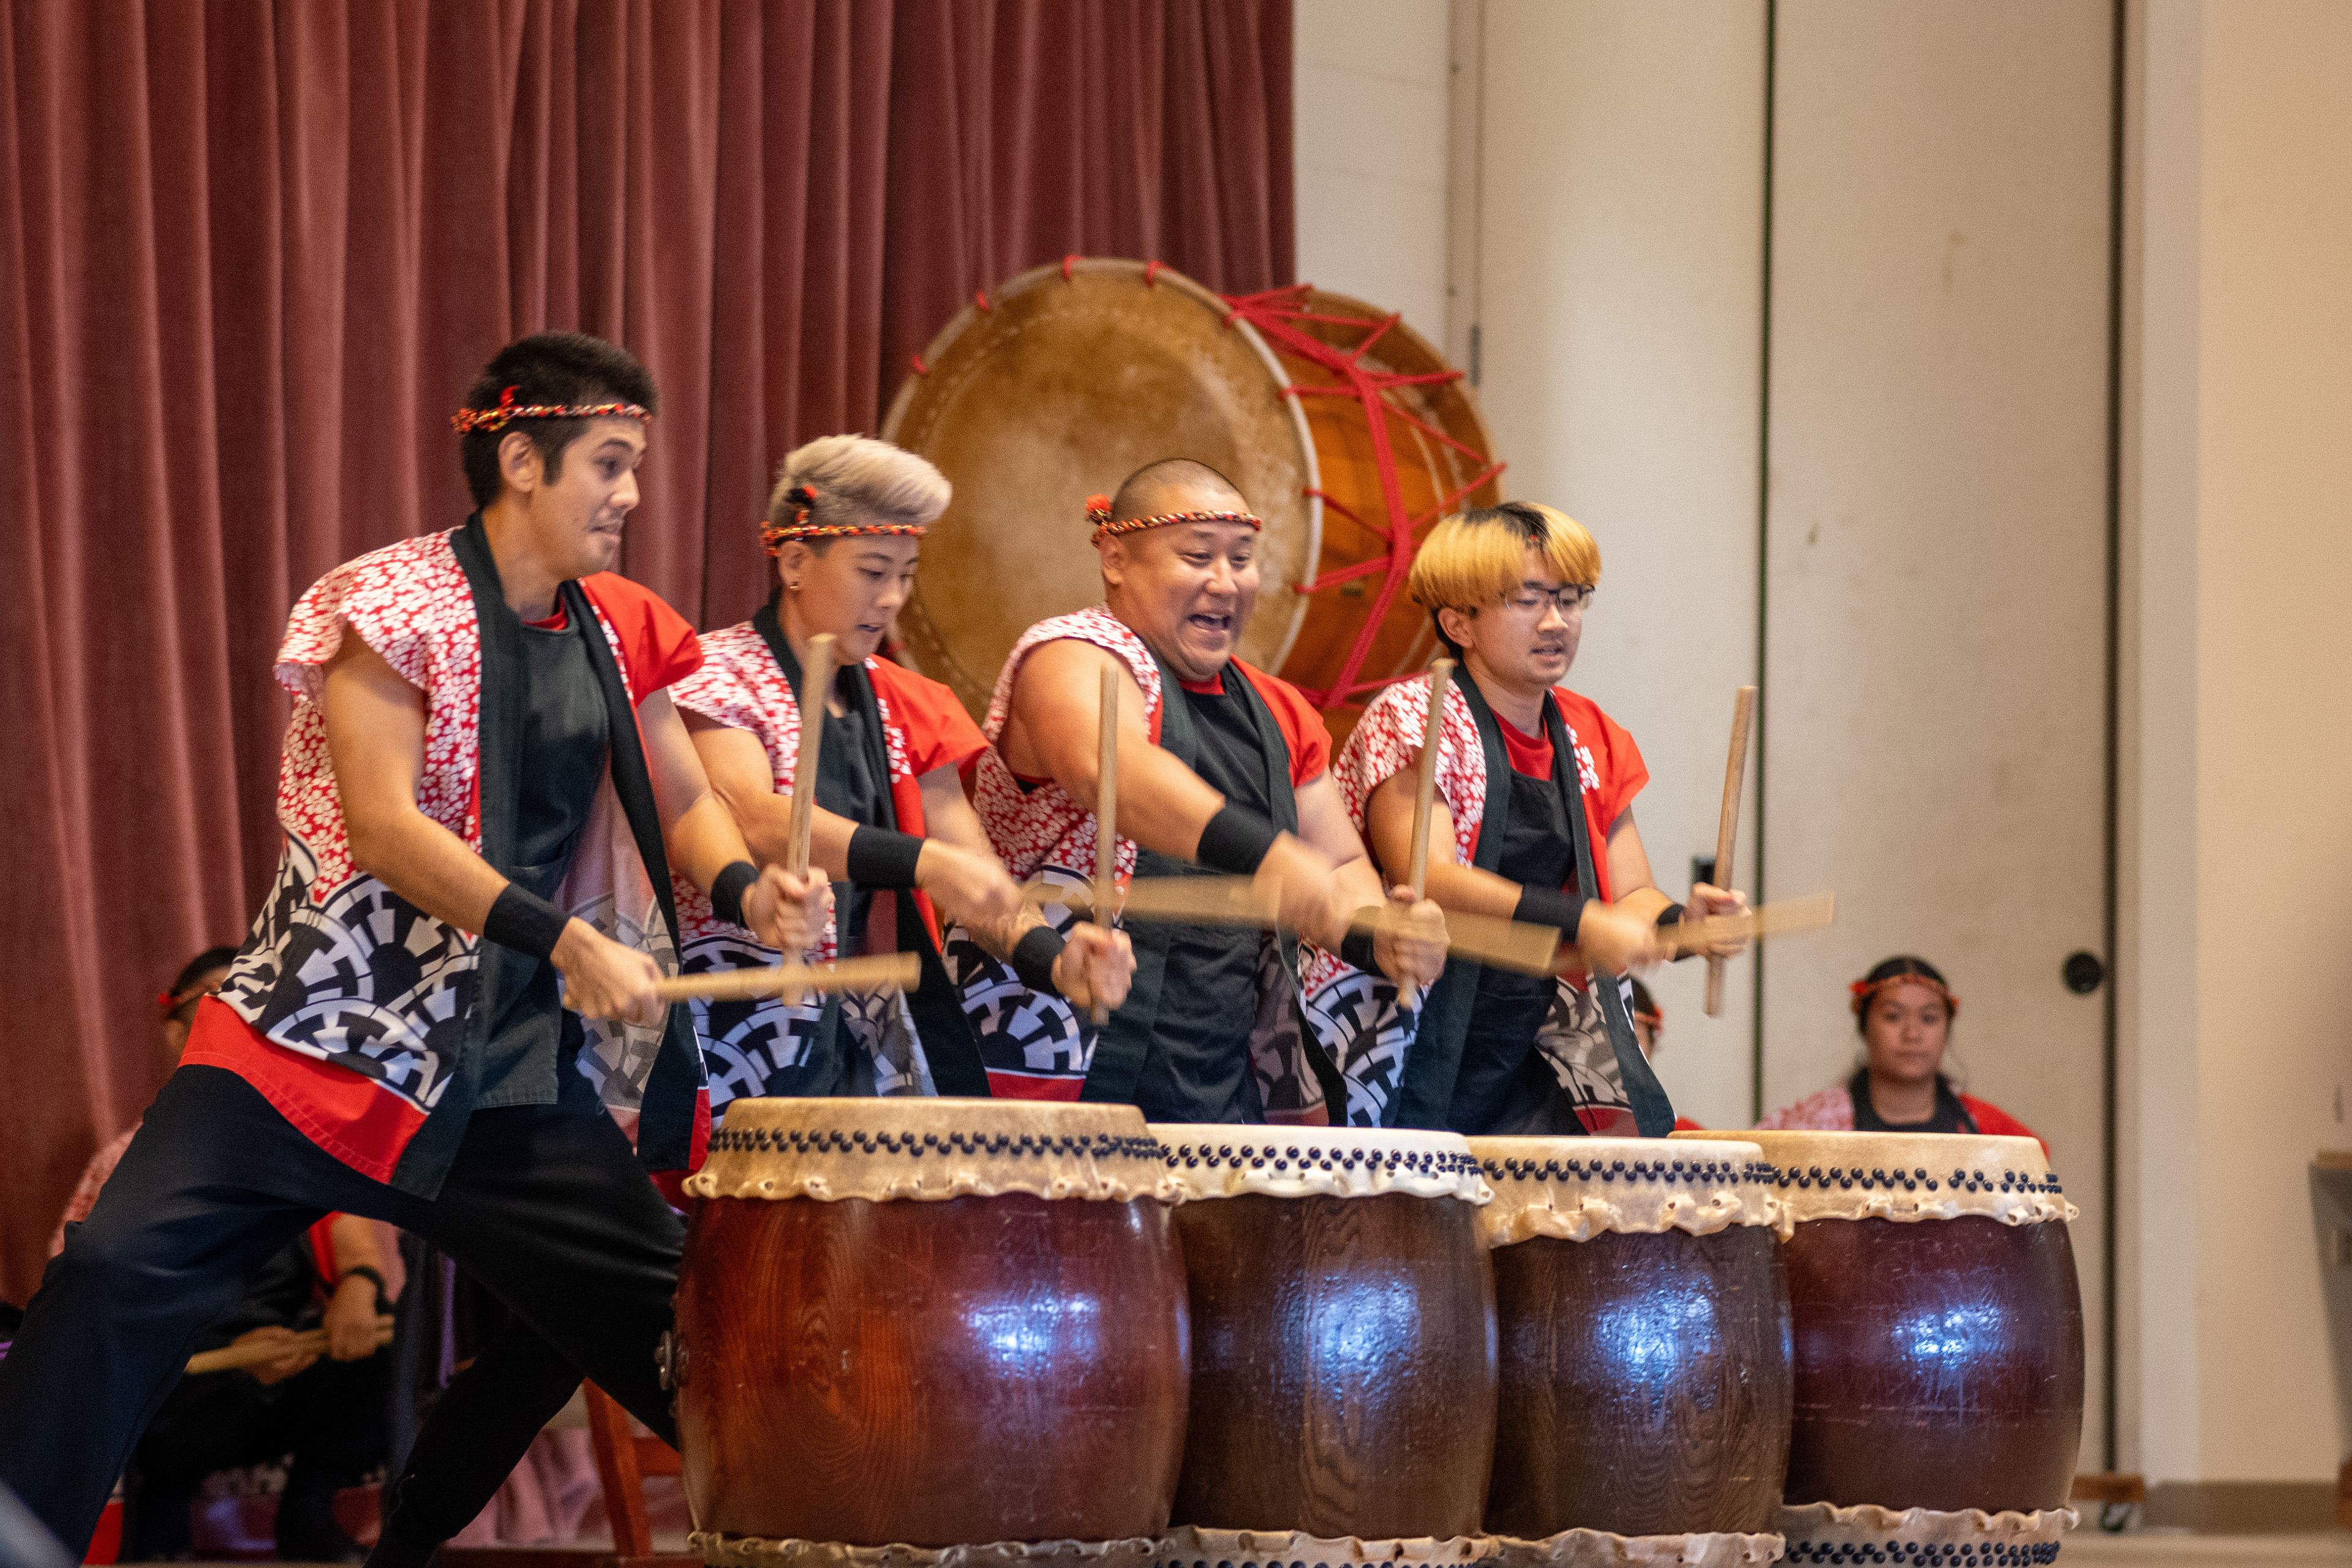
(892, 827)
(1221, 767)
(1535, 798)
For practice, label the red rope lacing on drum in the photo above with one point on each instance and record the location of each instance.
(1276, 314)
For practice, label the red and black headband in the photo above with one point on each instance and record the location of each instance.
(802, 499)
(508, 411)
(1099, 514)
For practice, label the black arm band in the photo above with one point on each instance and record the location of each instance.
(1672, 915)
(879, 857)
(1236, 840)
(727, 888)
(526, 923)
(1356, 949)
(1546, 907)
(364, 1272)
(1034, 956)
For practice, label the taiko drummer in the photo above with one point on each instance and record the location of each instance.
(1535, 794)
(845, 525)
(482, 742)
(1218, 764)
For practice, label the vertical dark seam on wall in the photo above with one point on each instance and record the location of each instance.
(2112, 847)
(1763, 563)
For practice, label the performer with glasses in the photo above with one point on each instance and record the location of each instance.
(1535, 793)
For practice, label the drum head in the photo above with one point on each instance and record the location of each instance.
(1060, 389)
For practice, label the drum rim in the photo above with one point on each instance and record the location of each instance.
(1154, 275)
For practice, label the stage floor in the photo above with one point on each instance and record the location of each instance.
(2164, 1548)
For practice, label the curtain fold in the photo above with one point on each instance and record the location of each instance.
(252, 252)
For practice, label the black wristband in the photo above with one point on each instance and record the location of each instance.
(879, 857)
(1356, 949)
(1672, 915)
(1034, 956)
(1545, 907)
(727, 888)
(365, 1272)
(1236, 840)
(524, 921)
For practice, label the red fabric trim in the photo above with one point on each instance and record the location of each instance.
(346, 1115)
(1528, 754)
(1300, 722)
(1021, 1085)
(658, 644)
(1212, 687)
(322, 1250)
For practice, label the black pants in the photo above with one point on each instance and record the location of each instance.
(545, 1205)
(330, 1416)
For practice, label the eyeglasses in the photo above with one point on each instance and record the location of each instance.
(1570, 597)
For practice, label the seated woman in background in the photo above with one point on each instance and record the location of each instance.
(1903, 1012)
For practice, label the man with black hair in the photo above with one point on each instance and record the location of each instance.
(1221, 767)
(482, 742)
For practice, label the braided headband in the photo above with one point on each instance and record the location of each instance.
(508, 411)
(1099, 514)
(801, 498)
(1863, 989)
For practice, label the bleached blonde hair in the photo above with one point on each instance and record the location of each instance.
(1474, 557)
(856, 479)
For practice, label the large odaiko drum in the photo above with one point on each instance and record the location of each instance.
(1344, 427)
(1645, 1346)
(1939, 1343)
(1343, 1357)
(935, 1323)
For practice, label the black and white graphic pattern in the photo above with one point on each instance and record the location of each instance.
(362, 978)
(763, 1047)
(1355, 1017)
(1021, 1030)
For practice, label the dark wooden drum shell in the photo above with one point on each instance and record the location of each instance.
(975, 1370)
(1343, 1365)
(1645, 1385)
(1939, 1363)
(930, 1322)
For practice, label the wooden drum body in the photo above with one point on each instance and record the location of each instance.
(1344, 428)
(1343, 1311)
(1938, 1321)
(1645, 1380)
(932, 1322)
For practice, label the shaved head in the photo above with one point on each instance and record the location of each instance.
(1175, 484)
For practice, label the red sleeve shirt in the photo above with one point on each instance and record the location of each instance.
(940, 734)
(656, 644)
(1300, 722)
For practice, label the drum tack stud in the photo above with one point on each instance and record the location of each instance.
(669, 1359)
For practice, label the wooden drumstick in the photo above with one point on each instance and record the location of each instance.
(1440, 673)
(261, 1352)
(890, 972)
(1765, 919)
(1726, 831)
(816, 679)
(1107, 816)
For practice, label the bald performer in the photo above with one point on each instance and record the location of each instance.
(1223, 770)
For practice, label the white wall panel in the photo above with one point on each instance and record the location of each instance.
(1621, 298)
(1935, 593)
(1368, 133)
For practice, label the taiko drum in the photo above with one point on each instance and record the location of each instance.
(1343, 1311)
(1345, 429)
(1645, 1376)
(1938, 1321)
(932, 1322)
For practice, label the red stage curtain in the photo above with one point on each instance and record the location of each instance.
(251, 253)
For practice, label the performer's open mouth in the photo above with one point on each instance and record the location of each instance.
(1218, 624)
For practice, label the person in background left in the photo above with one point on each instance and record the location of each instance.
(329, 1419)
